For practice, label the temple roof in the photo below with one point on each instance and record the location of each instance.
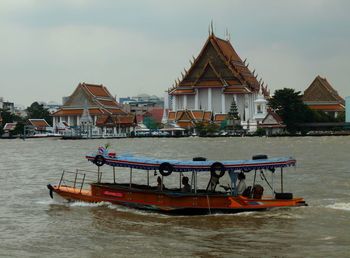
(115, 120)
(95, 97)
(218, 65)
(39, 123)
(320, 92)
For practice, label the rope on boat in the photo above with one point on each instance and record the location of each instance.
(208, 204)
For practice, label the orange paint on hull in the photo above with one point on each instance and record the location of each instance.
(171, 201)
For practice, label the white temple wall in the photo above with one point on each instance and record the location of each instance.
(228, 102)
(216, 100)
(240, 105)
(179, 102)
(190, 102)
(203, 99)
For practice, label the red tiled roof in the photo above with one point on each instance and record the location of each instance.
(10, 126)
(220, 117)
(115, 120)
(77, 112)
(38, 123)
(111, 103)
(96, 90)
(156, 114)
(336, 107)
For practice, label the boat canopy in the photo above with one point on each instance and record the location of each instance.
(146, 163)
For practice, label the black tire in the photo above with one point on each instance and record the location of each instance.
(99, 160)
(261, 156)
(284, 196)
(199, 159)
(217, 167)
(165, 169)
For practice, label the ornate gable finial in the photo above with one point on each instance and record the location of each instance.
(212, 27)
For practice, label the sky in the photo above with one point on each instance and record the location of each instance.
(132, 47)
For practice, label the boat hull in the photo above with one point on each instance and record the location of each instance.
(173, 202)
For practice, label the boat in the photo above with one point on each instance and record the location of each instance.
(74, 185)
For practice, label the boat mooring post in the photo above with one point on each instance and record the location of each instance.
(161, 186)
(130, 178)
(98, 175)
(281, 180)
(195, 182)
(147, 177)
(180, 180)
(113, 174)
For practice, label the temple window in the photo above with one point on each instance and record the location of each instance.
(259, 110)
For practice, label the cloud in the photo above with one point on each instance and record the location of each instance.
(142, 46)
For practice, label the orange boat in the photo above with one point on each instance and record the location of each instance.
(186, 199)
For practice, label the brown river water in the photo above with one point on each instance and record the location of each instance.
(33, 225)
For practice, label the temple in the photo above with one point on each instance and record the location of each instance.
(217, 77)
(321, 96)
(92, 105)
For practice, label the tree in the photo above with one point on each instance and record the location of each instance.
(233, 113)
(37, 111)
(288, 104)
(150, 123)
(8, 117)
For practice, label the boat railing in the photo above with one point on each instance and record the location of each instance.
(77, 179)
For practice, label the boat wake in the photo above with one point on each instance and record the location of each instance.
(340, 206)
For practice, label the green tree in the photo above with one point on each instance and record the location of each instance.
(233, 113)
(37, 111)
(150, 123)
(8, 117)
(288, 104)
(212, 128)
(200, 129)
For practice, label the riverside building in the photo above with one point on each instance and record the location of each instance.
(216, 78)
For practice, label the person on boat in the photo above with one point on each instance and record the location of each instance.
(241, 185)
(186, 186)
(160, 185)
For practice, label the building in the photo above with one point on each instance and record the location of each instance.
(272, 123)
(141, 103)
(38, 126)
(217, 77)
(321, 96)
(6, 105)
(91, 105)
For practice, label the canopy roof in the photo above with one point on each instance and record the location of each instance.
(188, 165)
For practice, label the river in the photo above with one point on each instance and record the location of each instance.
(33, 225)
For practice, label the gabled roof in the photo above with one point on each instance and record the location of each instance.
(96, 98)
(116, 120)
(218, 65)
(220, 117)
(10, 126)
(272, 120)
(38, 123)
(188, 118)
(320, 90)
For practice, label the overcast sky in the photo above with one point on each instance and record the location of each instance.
(48, 47)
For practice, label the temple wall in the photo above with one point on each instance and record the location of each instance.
(203, 99)
(216, 100)
(190, 102)
(179, 102)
